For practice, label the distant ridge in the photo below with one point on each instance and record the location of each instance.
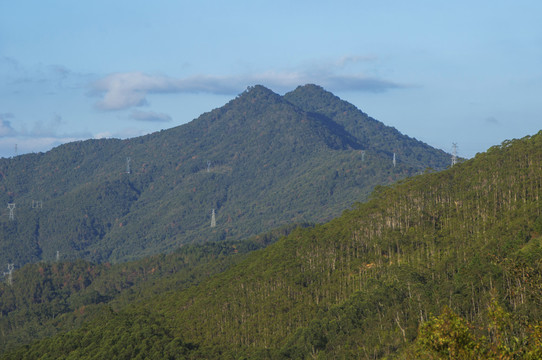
(371, 133)
(262, 160)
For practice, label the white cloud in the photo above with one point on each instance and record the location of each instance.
(121, 134)
(103, 135)
(120, 91)
(125, 90)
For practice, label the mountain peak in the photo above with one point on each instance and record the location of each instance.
(259, 92)
(310, 88)
(312, 97)
(260, 161)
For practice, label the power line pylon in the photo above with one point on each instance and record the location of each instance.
(213, 219)
(454, 154)
(10, 276)
(11, 207)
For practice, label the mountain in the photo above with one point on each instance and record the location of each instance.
(372, 134)
(465, 243)
(260, 161)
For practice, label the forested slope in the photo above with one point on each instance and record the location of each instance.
(45, 298)
(260, 161)
(371, 133)
(359, 286)
(452, 238)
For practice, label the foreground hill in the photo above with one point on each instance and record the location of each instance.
(468, 238)
(260, 161)
(49, 297)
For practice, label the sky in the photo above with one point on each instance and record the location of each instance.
(443, 72)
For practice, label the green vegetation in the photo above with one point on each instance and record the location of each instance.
(449, 336)
(271, 163)
(49, 297)
(443, 265)
(370, 133)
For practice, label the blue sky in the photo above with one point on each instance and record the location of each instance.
(439, 71)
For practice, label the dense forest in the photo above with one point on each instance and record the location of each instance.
(442, 265)
(261, 161)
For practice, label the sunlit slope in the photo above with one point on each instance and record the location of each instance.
(260, 161)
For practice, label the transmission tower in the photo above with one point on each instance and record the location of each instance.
(454, 154)
(37, 204)
(11, 207)
(128, 165)
(208, 166)
(394, 160)
(10, 270)
(362, 155)
(57, 256)
(213, 219)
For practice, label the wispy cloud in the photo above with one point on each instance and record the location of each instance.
(39, 78)
(40, 136)
(355, 59)
(492, 120)
(119, 91)
(5, 125)
(124, 133)
(48, 128)
(124, 90)
(149, 116)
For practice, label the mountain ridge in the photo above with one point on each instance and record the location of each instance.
(260, 161)
(314, 98)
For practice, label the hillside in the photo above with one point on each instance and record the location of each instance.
(466, 239)
(452, 238)
(261, 161)
(50, 297)
(371, 134)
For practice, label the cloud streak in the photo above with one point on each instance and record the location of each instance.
(149, 116)
(492, 120)
(119, 91)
